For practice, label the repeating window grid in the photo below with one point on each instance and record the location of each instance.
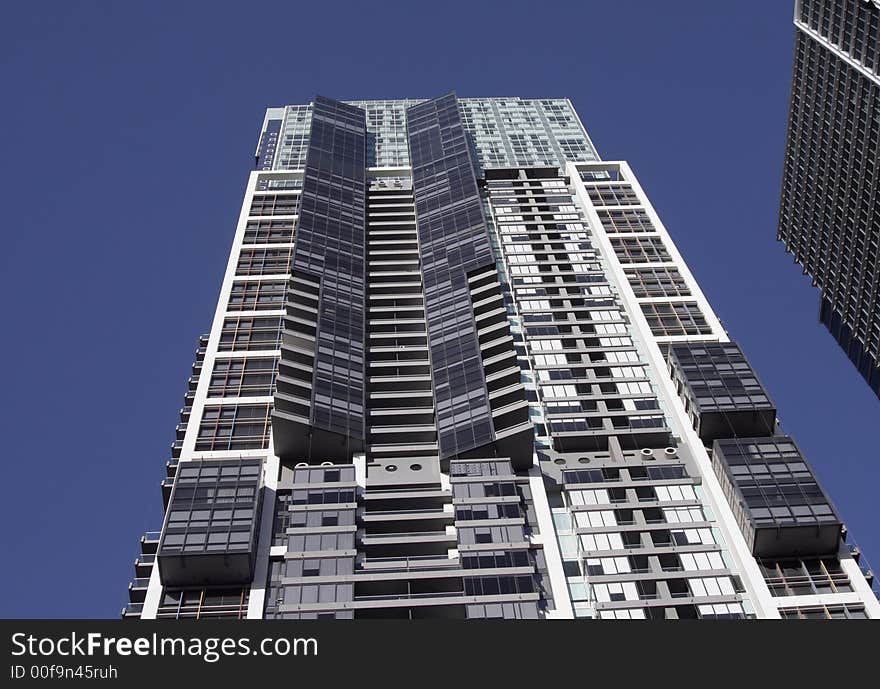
(631, 614)
(675, 493)
(204, 604)
(849, 25)
(660, 281)
(805, 577)
(704, 587)
(710, 560)
(640, 249)
(776, 484)
(263, 231)
(241, 333)
(386, 122)
(529, 252)
(721, 611)
(824, 612)
(675, 319)
(683, 515)
(613, 195)
(257, 295)
(274, 204)
(234, 427)
(294, 140)
(243, 377)
(264, 261)
(625, 221)
(611, 542)
(719, 378)
(830, 119)
(551, 131)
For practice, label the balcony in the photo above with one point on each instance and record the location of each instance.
(137, 589)
(132, 611)
(150, 542)
(408, 544)
(781, 513)
(740, 407)
(143, 565)
(408, 564)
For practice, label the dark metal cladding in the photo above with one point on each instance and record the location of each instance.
(453, 240)
(330, 253)
(210, 532)
(721, 391)
(777, 501)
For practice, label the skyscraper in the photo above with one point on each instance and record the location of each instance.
(458, 369)
(829, 217)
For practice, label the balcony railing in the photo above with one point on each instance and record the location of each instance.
(132, 609)
(415, 562)
(410, 596)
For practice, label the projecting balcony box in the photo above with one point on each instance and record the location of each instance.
(210, 532)
(779, 506)
(721, 392)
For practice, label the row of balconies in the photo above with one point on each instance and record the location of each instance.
(143, 566)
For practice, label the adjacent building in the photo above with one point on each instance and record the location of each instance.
(829, 217)
(458, 369)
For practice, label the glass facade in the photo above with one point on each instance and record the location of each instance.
(502, 132)
(829, 215)
(782, 508)
(453, 242)
(329, 253)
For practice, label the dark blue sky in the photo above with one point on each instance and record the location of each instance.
(126, 134)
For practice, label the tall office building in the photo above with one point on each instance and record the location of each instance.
(458, 369)
(829, 217)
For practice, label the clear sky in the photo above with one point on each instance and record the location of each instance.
(127, 131)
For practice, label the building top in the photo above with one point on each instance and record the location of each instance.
(502, 132)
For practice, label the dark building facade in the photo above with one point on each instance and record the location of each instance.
(829, 217)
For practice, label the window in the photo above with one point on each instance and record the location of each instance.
(804, 577)
(268, 232)
(676, 319)
(824, 612)
(711, 586)
(263, 261)
(691, 562)
(613, 195)
(275, 204)
(640, 249)
(212, 507)
(257, 295)
(591, 543)
(607, 593)
(625, 221)
(657, 281)
(596, 519)
(248, 333)
(203, 604)
(243, 377)
(234, 427)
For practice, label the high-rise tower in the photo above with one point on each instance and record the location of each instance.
(829, 217)
(458, 369)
